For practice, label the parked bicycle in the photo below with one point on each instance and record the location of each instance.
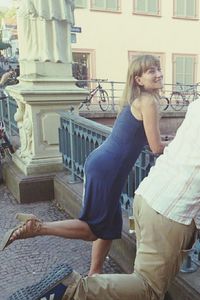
(99, 94)
(164, 103)
(181, 97)
(184, 97)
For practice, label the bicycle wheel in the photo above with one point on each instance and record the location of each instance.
(81, 105)
(103, 100)
(85, 102)
(176, 101)
(164, 103)
(190, 98)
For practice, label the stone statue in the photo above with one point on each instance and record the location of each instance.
(44, 30)
(24, 123)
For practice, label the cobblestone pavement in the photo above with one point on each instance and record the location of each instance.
(25, 262)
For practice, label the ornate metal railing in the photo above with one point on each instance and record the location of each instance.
(8, 108)
(79, 136)
(187, 93)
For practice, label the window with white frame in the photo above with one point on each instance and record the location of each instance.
(148, 7)
(184, 69)
(106, 5)
(185, 8)
(83, 66)
(80, 3)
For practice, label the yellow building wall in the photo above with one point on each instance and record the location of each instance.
(113, 35)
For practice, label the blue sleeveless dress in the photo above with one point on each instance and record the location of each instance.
(106, 171)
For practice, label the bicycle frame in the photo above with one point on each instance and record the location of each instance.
(94, 91)
(183, 95)
(191, 90)
(103, 98)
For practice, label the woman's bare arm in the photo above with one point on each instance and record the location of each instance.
(151, 118)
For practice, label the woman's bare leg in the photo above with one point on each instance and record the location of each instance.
(70, 229)
(100, 249)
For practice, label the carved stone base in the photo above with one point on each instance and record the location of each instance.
(40, 102)
(27, 189)
(37, 166)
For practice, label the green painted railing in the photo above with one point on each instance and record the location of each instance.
(8, 108)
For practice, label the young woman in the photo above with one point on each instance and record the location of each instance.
(107, 167)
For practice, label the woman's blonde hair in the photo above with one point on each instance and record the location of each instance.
(137, 67)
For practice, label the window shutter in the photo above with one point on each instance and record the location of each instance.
(141, 5)
(190, 8)
(180, 7)
(186, 8)
(112, 4)
(81, 3)
(179, 69)
(189, 70)
(99, 4)
(185, 67)
(153, 6)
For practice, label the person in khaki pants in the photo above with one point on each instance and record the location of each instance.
(161, 244)
(167, 217)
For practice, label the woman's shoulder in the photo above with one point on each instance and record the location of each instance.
(147, 97)
(149, 100)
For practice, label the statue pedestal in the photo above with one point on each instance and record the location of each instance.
(39, 100)
(40, 71)
(46, 86)
(27, 189)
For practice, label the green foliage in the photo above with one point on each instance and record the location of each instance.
(7, 13)
(11, 12)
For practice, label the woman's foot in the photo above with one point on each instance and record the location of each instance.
(30, 228)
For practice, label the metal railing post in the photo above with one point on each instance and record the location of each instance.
(1, 110)
(188, 265)
(112, 96)
(73, 176)
(9, 119)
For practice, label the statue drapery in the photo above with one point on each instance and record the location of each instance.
(44, 28)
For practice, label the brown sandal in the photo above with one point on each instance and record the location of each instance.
(23, 218)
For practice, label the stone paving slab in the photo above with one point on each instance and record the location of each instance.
(25, 262)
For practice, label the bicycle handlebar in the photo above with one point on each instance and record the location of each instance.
(189, 85)
(99, 80)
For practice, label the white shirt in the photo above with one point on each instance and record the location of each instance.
(172, 187)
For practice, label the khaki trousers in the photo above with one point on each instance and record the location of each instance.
(161, 244)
